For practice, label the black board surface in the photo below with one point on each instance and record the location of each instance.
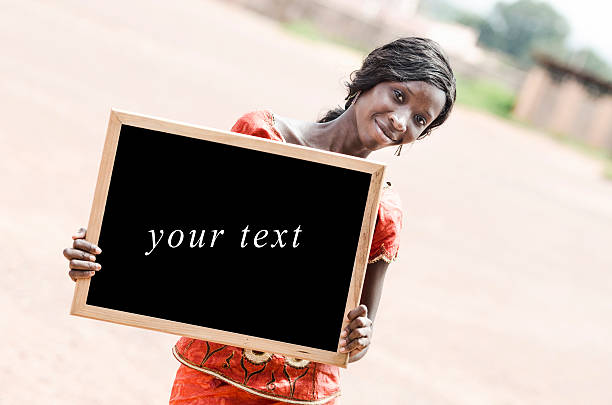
(296, 293)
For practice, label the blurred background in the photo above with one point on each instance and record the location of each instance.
(503, 290)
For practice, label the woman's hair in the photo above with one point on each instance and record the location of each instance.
(405, 59)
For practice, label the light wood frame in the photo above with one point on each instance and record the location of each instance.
(116, 120)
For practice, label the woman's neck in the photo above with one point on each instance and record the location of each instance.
(339, 135)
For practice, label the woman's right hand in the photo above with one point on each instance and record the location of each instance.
(82, 257)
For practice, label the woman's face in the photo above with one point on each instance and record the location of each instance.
(394, 113)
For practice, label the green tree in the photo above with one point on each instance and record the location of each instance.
(471, 20)
(515, 28)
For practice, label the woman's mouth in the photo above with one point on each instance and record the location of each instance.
(383, 131)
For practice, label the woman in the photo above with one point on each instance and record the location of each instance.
(403, 90)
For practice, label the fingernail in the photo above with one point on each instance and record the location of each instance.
(343, 334)
(98, 250)
(98, 266)
(92, 258)
(342, 349)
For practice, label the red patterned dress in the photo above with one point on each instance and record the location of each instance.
(212, 373)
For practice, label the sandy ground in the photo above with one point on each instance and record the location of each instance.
(502, 295)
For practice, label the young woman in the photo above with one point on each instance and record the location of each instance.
(403, 90)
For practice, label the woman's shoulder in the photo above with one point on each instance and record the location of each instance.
(260, 123)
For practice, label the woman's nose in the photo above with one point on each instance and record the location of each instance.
(399, 122)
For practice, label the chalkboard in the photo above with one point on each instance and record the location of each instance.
(228, 237)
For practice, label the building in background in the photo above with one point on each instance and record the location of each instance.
(565, 100)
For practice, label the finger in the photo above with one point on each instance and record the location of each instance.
(79, 274)
(356, 344)
(360, 322)
(359, 333)
(361, 310)
(83, 265)
(70, 253)
(82, 244)
(80, 233)
(355, 336)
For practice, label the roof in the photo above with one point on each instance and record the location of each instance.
(558, 69)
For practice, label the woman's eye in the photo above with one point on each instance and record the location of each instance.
(399, 96)
(420, 120)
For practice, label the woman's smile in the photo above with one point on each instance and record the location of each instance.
(384, 133)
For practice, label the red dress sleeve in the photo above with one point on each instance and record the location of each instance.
(385, 242)
(258, 123)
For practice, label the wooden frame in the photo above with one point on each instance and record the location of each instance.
(117, 118)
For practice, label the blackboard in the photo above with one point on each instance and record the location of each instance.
(228, 237)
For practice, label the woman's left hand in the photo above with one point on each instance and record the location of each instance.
(355, 338)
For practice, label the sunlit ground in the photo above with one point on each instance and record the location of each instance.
(503, 291)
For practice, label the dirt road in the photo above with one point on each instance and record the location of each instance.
(503, 292)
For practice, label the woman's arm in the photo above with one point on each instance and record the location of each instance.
(359, 329)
